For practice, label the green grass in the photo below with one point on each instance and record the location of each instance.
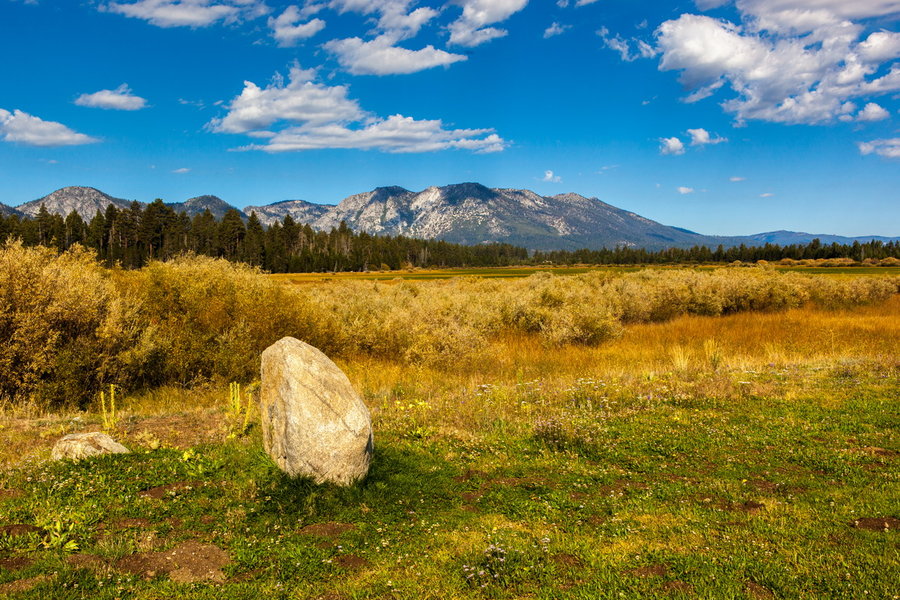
(593, 491)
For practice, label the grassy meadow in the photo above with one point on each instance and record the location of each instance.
(727, 433)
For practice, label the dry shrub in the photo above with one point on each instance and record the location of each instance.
(198, 318)
(58, 323)
(69, 325)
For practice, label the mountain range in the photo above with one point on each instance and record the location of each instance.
(466, 213)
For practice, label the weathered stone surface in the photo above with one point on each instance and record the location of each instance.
(81, 445)
(314, 423)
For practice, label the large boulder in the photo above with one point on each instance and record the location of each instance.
(82, 445)
(314, 423)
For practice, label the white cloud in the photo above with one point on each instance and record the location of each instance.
(872, 112)
(793, 61)
(624, 47)
(22, 128)
(685, 190)
(888, 148)
(120, 98)
(395, 17)
(301, 100)
(181, 171)
(701, 137)
(306, 115)
(737, 179)
(287, 29)
(381, 57)
(584, 2)
(555, 29)
(671, 145)
(188, 13)
(766, 195)
(549, 177)
(471, 27)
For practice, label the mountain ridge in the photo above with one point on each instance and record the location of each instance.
(466, 213)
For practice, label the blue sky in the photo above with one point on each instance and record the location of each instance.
(718, 116)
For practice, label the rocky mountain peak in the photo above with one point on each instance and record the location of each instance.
(86, 201)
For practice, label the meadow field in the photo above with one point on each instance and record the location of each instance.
(683, 433)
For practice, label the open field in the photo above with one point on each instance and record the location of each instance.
(516, 272)
(751, 454)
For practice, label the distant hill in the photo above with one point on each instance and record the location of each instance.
(299, 210)
(195, 206)
(86, 201)
(9, 211)
(465, 213)
(786, 238)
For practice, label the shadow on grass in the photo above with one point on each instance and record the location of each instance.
(401, 478)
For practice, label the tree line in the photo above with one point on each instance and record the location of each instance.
(133, 236)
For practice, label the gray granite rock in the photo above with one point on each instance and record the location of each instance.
(314, 423)
(82, 445)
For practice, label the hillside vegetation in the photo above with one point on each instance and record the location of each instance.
(74, 326)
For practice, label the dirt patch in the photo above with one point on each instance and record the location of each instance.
(16, 563)
(678, 586)
(18, 530)
(522, 482)
(170, 490)
(876, 451)
(618, 488)
(329, 530)
(471, 497)
(657, 570)
(188, 562)
(132, 523)
(719, 503)
(246, 576)
(181, 431)
(10, 494)
(564, 559)
(877, 523)
(469, 475)
(23, 585)
(764, 485)
(758, 592)
(86, 561)
(750, 506)
(351, 562)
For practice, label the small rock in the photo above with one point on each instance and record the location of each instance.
(82, 445)
(314, 423)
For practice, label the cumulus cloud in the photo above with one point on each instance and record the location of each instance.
(120, 98)
(549, 177)
(306, 115)
(181, 171)
(188, 13)
(888, 148)
(791, 61)
(555, 29)
(737, 179)
(288, 30)
(766, 195)
(471, 28)
(301, 100)
(685, 190)
(701, 137)
(872, 112)
(671, 145)
(381, 57)
(22, 128)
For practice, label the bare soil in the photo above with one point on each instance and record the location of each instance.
(188, 562)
